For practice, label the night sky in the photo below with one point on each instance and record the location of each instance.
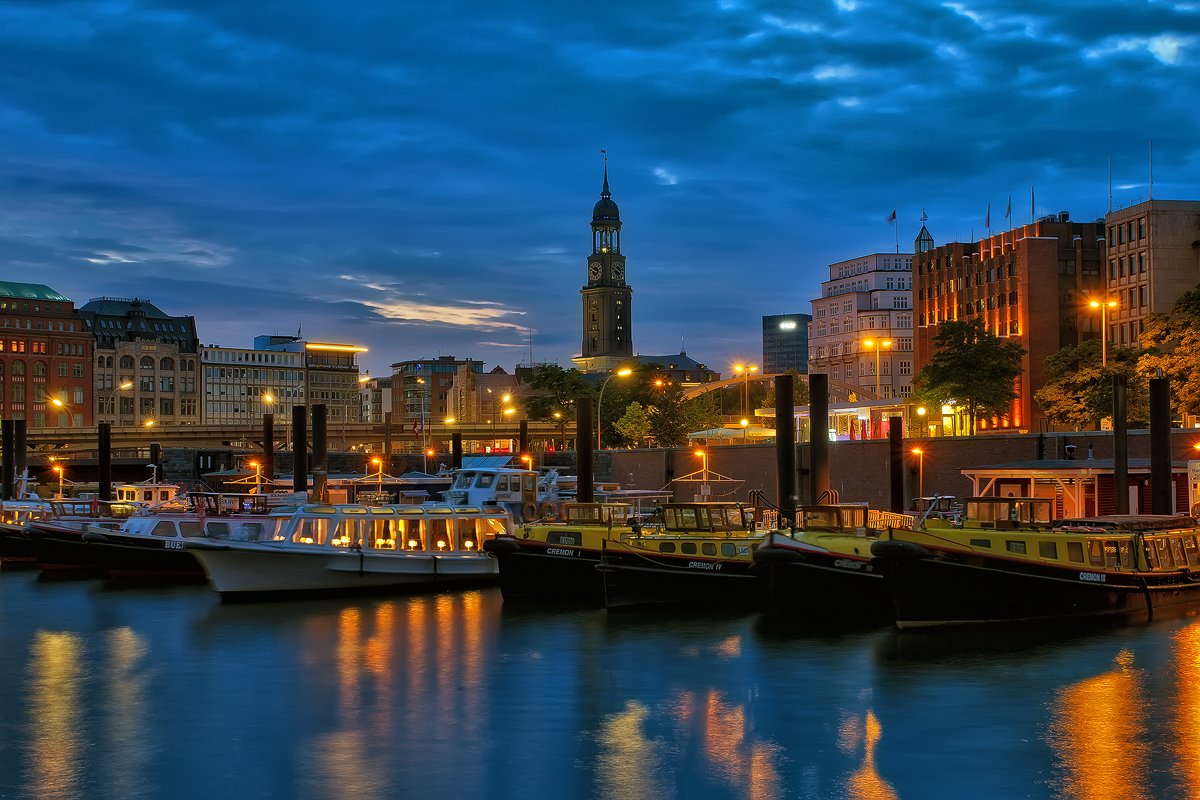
(419, 177)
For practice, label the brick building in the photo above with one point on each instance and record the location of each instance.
(1153, 258)
(421, 387)
(45, 355)
(1031, 284)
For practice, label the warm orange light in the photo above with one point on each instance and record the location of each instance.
(745, 422)
(886, 344)
(345, 348)
(376, 461)
(127, 385)
(915, 450)
(624, 372)
(57, 402)
(699, 452)
(268, 398)
(449, 420)
(149, 423)
(868, 343)
(510, 411)
(429, 452)
(254, 464)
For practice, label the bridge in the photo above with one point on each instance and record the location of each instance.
(839, 392)
(251, 436)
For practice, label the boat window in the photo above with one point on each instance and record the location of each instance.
(492, 527)
(728, 549)
(708, 549)
(666, 547)
(165, 494)
(148, 495)
(852, 518)
(218, 530)
(381, 534)
(616, 514)
(687, 517)
(702, 519)
(353, 510)
(1111, 559)
(1177, 551)
(311, 530)
(1075, 551)
(411, 534)
(1151, 554)
(1095, 552)
(502, 483)
(164, 528)
(1189, 547)
(529, 477)
(349, 531)
(464, 480)
(440, 534)
(669, 518)
(468, 533)
(247, 532)
(688, 547)
(1014, 547)
(1126, 553)
(1164, 554)
(981, 543)
(1048, 549)
(820, 518)
(485, 481)
(383, 510)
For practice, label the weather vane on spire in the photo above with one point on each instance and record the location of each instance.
(605, 154)
(924, 216)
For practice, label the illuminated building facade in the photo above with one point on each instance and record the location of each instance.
(421, 388)
(785, 343)
(607, 298)
(866, 299)
(45, 355)
(1032, 284)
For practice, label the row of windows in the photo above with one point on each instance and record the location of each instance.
(41, 326)
(825, 351)
(244, 357)
(166, 364)
(1120, 267)
(1127, 231)
(39, 369)
(243, 373)
(148, 406)
(859, 267)
(41, 393)
(23, 305)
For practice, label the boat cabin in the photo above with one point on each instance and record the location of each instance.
(438, 529)
(478, 487)
(149, 493)
(851, 519)
(596, 513)
(707, 518)
(1007, 512)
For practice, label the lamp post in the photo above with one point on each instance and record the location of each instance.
(380, 463)
(362, 379)
(744, 371)
(745, 425)
(1104, 307)
(704, 472)
(920, 471)
(59, 470)
(921, 413)
(287, 429)
(600, 402)
(113, 391)
(877, 346)
(257, 477)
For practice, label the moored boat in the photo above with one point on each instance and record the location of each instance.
(1013, 570)
(699, 554)
(56, 536)
(317, 549)
(15, 545)
(822, 571)
(557, 560)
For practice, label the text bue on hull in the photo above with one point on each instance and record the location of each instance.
(1097, 566)
(319, 549)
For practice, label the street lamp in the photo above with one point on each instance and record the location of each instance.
(745, 426)
(745, 371)
(362, 379)
(1104, 307)
(877, 346)
(380, 463)
(921, 414)
(623, 373)
(287, 428)
(59, 470)
(920, 471)
(112, 392)
(704, 468)
(257, 477)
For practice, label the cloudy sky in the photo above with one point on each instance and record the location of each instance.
(419, 177)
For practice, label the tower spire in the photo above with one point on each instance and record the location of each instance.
(605, 192)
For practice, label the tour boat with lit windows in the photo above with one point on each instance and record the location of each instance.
(695, 554)
(1016, 570)
(527, 495)
(557, 561)
(317, 549)
(822, 569)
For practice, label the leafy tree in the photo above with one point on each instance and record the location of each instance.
(702, 413)
(555, 392)
(668, 425)
(634, 426)
(638, 387)
(799, 392)
(972, 367)
(1078, 388)
(1172, 344)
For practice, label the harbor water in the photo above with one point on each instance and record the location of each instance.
(126, 691)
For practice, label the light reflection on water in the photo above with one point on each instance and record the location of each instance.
(132, 695)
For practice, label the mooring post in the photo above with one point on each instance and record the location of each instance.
(299, 448)
(818, 439)
(583, 450)
(1160, 445)
(1120, 448)
(104, 462)
(785, 449)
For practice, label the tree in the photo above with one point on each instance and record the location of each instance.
(973, 368)
(556, 390)
(634, 426)
(1078, 388)
(1172, 344)
(799, 392)
(702, 413)
(667, 424)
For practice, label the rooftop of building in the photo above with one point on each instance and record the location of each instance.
(31, 291)
(122, 306)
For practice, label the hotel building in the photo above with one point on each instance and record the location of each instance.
(862, 319)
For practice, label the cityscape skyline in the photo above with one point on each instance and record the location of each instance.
(260, 170)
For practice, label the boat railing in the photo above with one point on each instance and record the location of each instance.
(888, 519)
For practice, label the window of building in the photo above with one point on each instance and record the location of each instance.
(166, 406)
(62, 369)
(1121, 233)
(1141, 263)
(905, 368)
(147, 362)
(1142, 228)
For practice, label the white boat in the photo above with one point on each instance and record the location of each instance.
(346, 548)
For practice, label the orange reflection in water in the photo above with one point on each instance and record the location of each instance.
(126, 714)
(56, 735)
(1187, 716)
(726, 735)
(1097, 734)
(865, 783)
(630, 765)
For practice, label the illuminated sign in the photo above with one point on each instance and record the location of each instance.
(787, 326)
(344, 348)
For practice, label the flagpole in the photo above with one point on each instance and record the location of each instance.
(897, 235)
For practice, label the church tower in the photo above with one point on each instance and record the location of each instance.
(607, 324)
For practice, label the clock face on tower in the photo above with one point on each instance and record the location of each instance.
(594, 270)
(618, 271)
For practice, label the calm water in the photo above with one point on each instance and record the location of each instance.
(109, 692)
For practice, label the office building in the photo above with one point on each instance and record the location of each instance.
(785, 343)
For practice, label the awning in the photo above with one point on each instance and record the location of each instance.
(749, 432)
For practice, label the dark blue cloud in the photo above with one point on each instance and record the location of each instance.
(419, 177)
